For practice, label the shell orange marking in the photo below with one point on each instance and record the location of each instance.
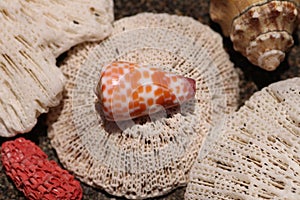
(160, 100)
(110, 91)
(123, 98)
(134, 78)
(158, 92)
(109, 82)
(115, 64)
(167, 94)
(135, 96)
(118, 105)
(136, 104)
(141, 99)
(150, 102)
(146, 74)
(143, 107)
(141, 89)
(148, 88)
(174, 78)
(127, 78)
(114, 70)
(104, 100)
(121, 71)
(130, 105)
(159, 78)
(103, 87)
(122, 85)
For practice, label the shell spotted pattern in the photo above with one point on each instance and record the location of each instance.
(128, 90)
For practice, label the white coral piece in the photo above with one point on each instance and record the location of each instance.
(33, 34)
(148, 156)
(256, 155)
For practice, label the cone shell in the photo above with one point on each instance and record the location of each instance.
(256, 155)
(151, 155)
(129, 90)
(260, 30)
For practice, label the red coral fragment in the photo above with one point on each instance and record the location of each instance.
(33, 174)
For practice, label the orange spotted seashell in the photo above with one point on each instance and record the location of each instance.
(129, 90)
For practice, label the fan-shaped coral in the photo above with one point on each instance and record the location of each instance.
(256, 155)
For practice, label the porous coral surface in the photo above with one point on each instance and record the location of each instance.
(33, 174)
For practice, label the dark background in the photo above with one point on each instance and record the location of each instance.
(252, 79)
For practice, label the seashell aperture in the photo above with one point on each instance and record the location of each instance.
(261, 30)
(129, 90)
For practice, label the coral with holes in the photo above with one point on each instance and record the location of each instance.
(36, 32)
(150, 155)
(37, 177)
(257, 153)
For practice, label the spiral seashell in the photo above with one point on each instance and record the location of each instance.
(260, 30)
(129, 90)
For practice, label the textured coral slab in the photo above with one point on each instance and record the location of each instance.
(33, 174)
(129, 90)
(256, 155)
(33, 34)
